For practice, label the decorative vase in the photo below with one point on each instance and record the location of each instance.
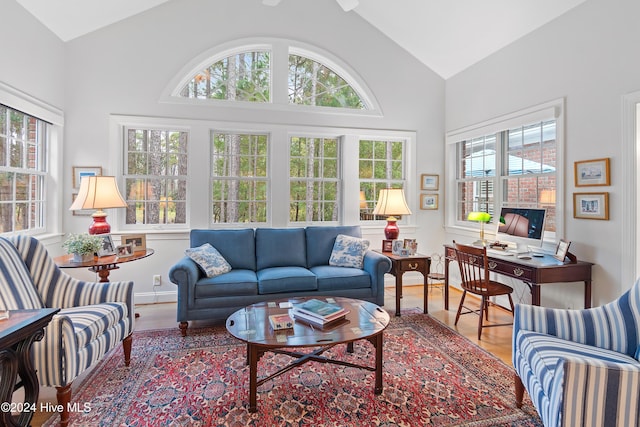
(82, 257)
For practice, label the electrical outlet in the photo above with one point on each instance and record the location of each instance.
(157, 280)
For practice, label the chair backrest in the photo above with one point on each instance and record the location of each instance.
(474, 270)
(17, 290)
(437, 263)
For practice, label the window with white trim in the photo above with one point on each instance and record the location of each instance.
(156, 168)
(23, 145)
(380, 165)
(239, 177)
(314, 179)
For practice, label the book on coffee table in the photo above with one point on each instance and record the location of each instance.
(316, 322)
(320, 310)
(280, 321)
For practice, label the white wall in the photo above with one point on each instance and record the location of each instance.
(588, 56)
(124, 68)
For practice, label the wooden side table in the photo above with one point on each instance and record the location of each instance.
(17, 334)
(403, 264)
(101, 265)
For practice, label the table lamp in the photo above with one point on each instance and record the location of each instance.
(482, 218)
(98, 192)
(391, 202)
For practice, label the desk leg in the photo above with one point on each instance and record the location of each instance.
(535, 294)
(446, 283)
(587, 294)
(426, 292)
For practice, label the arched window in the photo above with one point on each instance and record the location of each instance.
(253, 72)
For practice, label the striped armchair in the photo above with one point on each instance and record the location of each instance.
(580, 367)
(94, 317)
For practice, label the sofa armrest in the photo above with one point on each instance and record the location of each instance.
(596, 392)
(184, 274)
(377, 265)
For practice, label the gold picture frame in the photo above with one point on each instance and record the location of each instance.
(594, 172)
(80, 171)
(591, 205)
(137, 241)
(429, 182)
(429, 201)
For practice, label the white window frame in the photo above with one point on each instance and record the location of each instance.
(552, 109)
(52, 209)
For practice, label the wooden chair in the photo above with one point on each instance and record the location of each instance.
(474, 271)
(436, 272)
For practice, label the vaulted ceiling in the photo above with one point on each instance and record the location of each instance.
(446, 35)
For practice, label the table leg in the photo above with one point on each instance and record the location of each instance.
(446, 284)
(9, 375)
(426, 291)
(252, 353)
(398, 291)
(378, 345)
(587, 294)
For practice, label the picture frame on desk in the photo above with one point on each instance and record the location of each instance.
(108, 247)
(123, 251)
(562, 250)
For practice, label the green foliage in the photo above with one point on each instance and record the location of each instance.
(82, 244)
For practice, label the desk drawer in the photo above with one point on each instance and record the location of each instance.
(410, 264)
(518, 271)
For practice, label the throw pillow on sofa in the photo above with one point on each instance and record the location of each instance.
(348, 251)
(209, 259)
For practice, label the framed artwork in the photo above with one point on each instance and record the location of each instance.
(107, 246)
(138, 242)
(562, 249)
(428, 201)
(429, 182)
(123, 251)
(591, 205)
(80, 212)
(592, 172)
(80, 171)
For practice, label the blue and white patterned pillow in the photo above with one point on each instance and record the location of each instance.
(209, 259)
(348, 251)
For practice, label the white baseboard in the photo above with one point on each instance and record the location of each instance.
(155, 297)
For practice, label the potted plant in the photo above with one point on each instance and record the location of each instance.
(82, 246)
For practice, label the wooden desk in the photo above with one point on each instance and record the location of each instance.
(534, 272)
(17, 334)
(419, 263)
(101, 265)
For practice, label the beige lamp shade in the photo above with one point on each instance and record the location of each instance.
(391, 202)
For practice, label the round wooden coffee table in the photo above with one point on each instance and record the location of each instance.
(365, 320)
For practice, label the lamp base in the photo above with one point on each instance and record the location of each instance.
(391, 231)
(100, 224)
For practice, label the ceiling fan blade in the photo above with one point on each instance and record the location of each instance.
(347, 5)
(270, 2)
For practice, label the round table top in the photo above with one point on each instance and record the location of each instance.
(66, 261)
(251, 324)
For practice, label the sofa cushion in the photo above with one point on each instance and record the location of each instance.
(332, 278)
(17, 291)
(236, 246)
(286, 279)
(233, 283)
(209, 260)
(91, 321)
(348, 251)
(542, 353)
(320, 241)
(280, 247)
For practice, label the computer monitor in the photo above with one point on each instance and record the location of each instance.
(522, 227)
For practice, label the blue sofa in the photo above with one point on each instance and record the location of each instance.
(269, 264)
(580, 367)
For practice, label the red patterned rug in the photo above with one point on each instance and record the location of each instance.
(432, 376)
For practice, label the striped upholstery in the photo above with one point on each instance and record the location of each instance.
(94, 317)
(579, 366)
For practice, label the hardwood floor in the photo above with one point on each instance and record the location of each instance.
(494, 340)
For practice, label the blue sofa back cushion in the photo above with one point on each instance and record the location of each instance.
(320, 240)
(236, 246)
(280, 247)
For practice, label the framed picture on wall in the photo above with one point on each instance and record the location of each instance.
(429, 182)
(591, 205)
(592, 172)
(81, 171)
(429, 201)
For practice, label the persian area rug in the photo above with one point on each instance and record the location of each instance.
(432, 376)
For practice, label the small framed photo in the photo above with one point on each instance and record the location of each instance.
(428, 201)
(81, 171)
(387, 245)
(591, 205)
(592, 172)
(562, 249)
(398, 246)
(137, 241)
(123, 251)
(429, 182)
(107, 246)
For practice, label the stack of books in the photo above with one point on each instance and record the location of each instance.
(319, 313)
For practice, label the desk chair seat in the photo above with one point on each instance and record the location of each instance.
(474, 271)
